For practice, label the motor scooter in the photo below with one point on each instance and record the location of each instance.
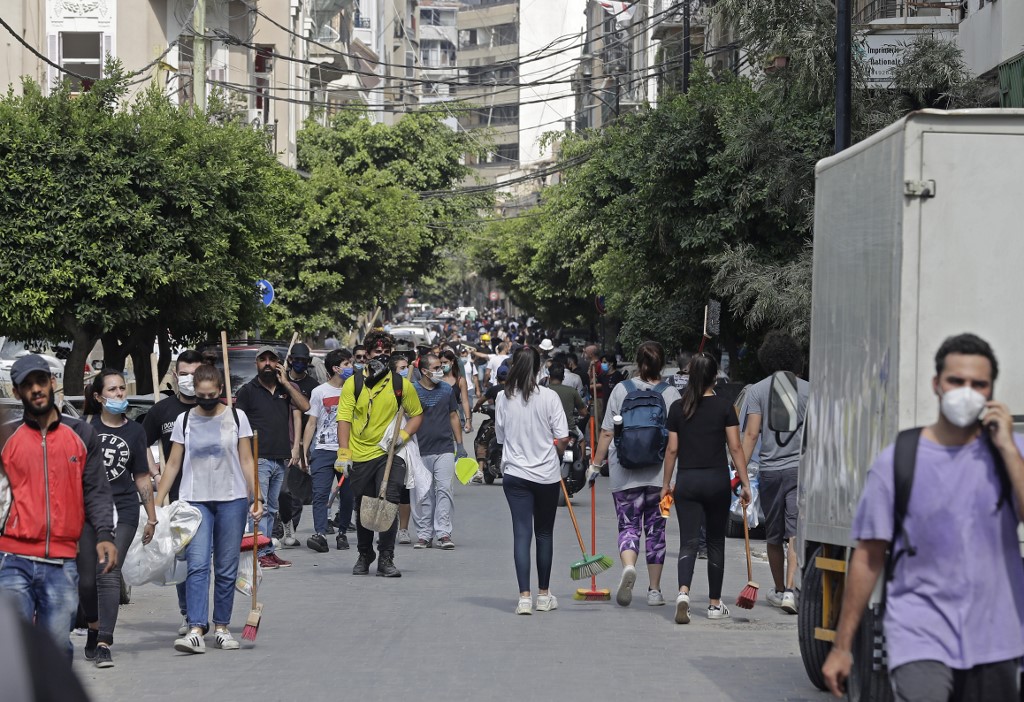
(574, 464)
(487, 448)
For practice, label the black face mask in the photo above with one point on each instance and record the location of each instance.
(378, 368)
(208, 403)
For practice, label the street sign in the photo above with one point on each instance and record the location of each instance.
(266, 291)
(494, 296)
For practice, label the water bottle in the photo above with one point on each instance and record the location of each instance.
(617, 422)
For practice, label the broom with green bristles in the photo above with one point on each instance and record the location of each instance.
(590, 565)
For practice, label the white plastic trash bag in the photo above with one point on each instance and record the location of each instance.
(737, 508)
(155, 562)
(243, 582)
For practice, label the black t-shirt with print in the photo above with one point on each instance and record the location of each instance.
(124, 457)
(702, 436)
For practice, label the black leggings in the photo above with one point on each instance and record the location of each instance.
(100, 593)
(702, 496)
(533, 506)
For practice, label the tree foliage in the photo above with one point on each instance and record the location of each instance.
(131, 222)
(711, 194)
(365, 231)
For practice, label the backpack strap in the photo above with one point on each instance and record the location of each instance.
(904, 465)
(359, 381)
(629, 385)
(398, 386)
(660, 387)
(184, 422)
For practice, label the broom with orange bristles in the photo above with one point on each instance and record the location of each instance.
(748, 595)
(252, 624)
(593, 594)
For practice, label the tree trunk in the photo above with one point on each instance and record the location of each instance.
(114, 352)
(74, 368)
(164, 361)
(143, 374)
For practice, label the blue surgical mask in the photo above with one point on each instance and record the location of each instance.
(347, 372)
(300, 366)
(116, 406)
(360, 366)
(404, 372)
(604, 367)
(446, 368)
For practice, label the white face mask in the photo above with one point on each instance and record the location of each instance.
(186, 386)
(437, 376)
(963, 406)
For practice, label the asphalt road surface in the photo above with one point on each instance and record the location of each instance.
(446, 630)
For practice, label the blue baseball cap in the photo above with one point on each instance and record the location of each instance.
(26, 366)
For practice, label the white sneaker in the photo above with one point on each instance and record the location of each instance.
(655, 598)
(788, 602)
(718, 611)
(183, 629)
(774, 598)
(276, 543)
(289, 540)
(191, 643)
(546, 603)
(82, 631)
(478, 479)
(624, 594)
(682, 608)
(225, 641)
(403, 536)
(525, 606)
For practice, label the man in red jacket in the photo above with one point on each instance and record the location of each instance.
(51, 480)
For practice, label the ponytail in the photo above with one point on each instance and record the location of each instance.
(703, 374)
(522, 377)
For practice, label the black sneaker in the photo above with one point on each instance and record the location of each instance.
(278, 531)
(362, 566)
(342, 542)
(91, 638)
(386, 567)
(103, 657)
(317, 543)
(330, 529)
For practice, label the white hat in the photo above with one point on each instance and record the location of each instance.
(546, 345)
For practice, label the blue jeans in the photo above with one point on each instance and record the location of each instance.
(44, 592)
(321, 469)
(271, 475)
(221, 530)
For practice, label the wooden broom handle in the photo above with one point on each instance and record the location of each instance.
(572, 514)
(255, 523)
(746, 540)
(227, 368)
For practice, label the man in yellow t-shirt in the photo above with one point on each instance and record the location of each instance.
(362, 422)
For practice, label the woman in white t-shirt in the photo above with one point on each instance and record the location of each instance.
(530, 425)
(210, 444)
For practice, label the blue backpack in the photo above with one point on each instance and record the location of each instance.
(641, 441)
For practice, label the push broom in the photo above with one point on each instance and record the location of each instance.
(748, 595)
(593, 594)
(590, 565)
(252, 624)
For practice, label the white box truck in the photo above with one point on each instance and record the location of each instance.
(918, 235)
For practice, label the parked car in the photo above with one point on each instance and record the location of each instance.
(416, 335)
(11, 350)
(242, 358)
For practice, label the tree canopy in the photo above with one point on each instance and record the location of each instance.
(129, 222)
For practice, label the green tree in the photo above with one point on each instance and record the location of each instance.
(129, 223)
(367, 230)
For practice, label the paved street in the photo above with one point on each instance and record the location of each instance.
(446, 631)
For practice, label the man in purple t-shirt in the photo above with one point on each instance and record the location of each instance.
(954, 620)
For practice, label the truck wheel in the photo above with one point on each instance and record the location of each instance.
(867, 684)
(812, 651)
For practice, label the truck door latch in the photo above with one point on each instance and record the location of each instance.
(919, 188)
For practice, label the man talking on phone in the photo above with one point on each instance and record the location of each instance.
(954, 615)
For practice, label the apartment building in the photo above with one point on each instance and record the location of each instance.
(614, 74)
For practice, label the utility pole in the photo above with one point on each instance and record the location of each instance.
(199, 56)
(686, 46)
(844, 73)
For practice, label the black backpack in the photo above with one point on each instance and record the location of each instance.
(396, 384)
(904, 465)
